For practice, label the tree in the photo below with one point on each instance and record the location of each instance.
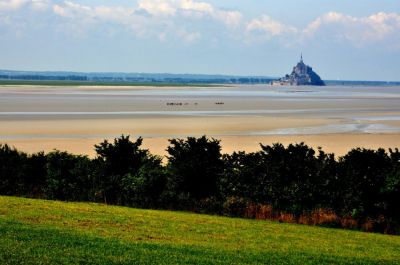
(194, 166)
(145, 188)
(68, 177)
(35, 174)
(391, 189)
(244, 177)
(292, 176)
(12, 164)
(114, 161)
(362, 174)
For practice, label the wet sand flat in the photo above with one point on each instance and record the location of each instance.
(339, 144)
(35, 118)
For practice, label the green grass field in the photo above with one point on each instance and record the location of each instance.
(51, 232)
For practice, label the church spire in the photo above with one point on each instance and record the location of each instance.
(301, 57)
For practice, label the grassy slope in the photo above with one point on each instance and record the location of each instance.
(50, 232)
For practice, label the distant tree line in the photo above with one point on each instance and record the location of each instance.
(360, 190)
(155, 79)
(44, 77)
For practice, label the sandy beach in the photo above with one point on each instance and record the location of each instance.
(35, 118)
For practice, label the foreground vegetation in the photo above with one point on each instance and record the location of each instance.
(52, 232)
(295, 184)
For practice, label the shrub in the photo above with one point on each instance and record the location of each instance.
(145, 188)
(35, 175)
(234, 206)
(362, 174)
(194, 166)
(12, 169)
(116, 161)
(259, 211)
(360, 190)
(68, 177)
(324, 217)
(211, 205)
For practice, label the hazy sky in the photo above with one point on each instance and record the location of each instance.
(340, 39)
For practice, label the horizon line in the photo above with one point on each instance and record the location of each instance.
(172, 73)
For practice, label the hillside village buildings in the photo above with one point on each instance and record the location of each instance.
(301, 75)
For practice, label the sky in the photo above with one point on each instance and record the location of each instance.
(340, 39)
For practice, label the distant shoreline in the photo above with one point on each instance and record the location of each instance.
(95, 83)
(62, 78)
(7, 82)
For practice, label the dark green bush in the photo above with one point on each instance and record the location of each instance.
(195, 166)
(68, 177)
(12, 169)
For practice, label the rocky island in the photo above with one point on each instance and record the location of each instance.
(302, 75)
